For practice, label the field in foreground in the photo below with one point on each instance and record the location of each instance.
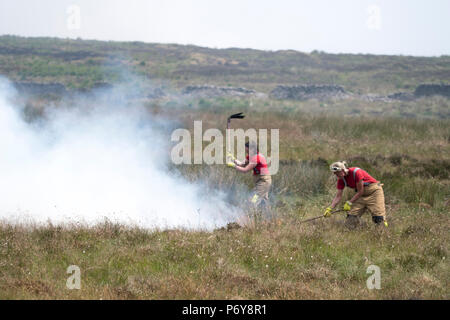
(282, 259)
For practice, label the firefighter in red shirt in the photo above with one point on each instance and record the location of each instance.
(368, 193)
(257, 162)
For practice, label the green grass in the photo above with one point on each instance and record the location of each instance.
(84, 62)
(405, 145)
(281, 259)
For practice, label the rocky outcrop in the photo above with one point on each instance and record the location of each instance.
(370, 97)
(282, 92)
(306, 92)
(156, 93)
(57, 89)
(102, 86)
(426, 90)
(325, 92)
(40, 88)
(208, 91)
(402, 96)
(423, 90)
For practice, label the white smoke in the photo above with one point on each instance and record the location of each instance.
(95, 161)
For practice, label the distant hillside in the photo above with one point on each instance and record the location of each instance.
(86, 64)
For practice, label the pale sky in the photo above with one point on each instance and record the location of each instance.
(408, 27)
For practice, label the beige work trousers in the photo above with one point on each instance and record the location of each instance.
(372, 199)
(262, 187)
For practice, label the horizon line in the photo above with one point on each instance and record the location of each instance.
(315, 51)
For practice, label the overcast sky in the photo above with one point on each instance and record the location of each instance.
(408, 27)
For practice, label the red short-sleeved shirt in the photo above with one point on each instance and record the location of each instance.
(351, 183)
(261, 164)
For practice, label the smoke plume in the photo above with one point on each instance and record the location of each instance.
(100, 159)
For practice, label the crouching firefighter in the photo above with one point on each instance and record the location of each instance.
(368, 194)
(257, 162)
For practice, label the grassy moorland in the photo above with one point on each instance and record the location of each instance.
(83, 63)
(278, 259)
(404, 144)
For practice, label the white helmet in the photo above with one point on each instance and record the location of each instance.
(339, 166)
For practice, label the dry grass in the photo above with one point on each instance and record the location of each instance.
(282, 259)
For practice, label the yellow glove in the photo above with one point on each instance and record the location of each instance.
(255, 199)
(347, 206)
(327, 212)
(231, 164)
(230, 155)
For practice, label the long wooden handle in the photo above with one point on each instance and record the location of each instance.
(228, 136)
(321, 216)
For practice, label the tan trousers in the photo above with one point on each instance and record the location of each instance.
(262, 187)
(372, 199)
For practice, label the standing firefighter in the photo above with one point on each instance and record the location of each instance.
(257, 162)
(368, 194)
